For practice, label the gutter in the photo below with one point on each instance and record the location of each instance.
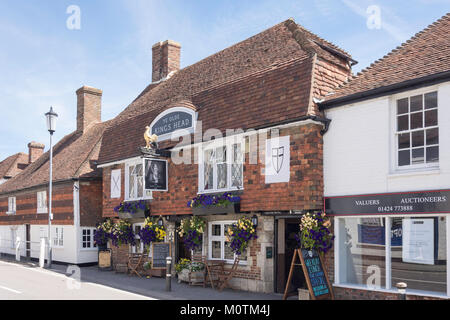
(386, 90)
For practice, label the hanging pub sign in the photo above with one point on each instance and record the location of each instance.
(172, 120)
(156, 174)
(390, 203)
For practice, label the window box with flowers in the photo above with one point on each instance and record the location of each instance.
(206, 204)
(133, 209)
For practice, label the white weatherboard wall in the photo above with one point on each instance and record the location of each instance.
(359, 148)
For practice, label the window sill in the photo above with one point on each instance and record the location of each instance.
(11, 213)
(414, 172)
(222, 191)
(408, 292)
(42, 211)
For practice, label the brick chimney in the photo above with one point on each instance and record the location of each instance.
(89, 107)
(35, 150)
(165, 59)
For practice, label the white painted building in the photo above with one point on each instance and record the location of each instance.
(387, 171)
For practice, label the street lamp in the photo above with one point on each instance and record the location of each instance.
(51, 126)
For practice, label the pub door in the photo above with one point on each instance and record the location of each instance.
(181, 252)
(287, 228)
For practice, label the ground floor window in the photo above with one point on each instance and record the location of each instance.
(379, 252)
(218, 247)
(58, 237)
(87, 238)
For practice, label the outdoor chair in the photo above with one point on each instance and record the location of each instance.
(135, 262)
(227, 275)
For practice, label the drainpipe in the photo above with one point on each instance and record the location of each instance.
(76, 218)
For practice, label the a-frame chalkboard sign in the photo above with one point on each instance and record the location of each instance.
(315, 274)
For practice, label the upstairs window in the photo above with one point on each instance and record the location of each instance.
(134, 182)
(221, 167)
(11, 205)
(417, 133)
(42, 202)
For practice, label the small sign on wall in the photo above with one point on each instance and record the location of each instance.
(278, 158)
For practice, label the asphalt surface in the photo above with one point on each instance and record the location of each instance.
(27, 282)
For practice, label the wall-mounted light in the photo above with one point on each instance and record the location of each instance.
(160, 222)
(255, 221)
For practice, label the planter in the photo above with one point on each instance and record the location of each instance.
(137, 215)
(209, 210)
(183, 275)
(197, 277)
(303, 294)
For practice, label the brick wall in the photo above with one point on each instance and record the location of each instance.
(26, 206)
(90, 202)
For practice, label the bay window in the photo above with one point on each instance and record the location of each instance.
(221, 166)
(377, 253)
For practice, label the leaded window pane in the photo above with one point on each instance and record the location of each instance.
(236, 167)
(208, 169)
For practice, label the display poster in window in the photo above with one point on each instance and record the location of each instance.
(155, 175)
(418, 241)
(278, 158)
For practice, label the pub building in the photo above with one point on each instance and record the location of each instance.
(264, 88)
(387, 170)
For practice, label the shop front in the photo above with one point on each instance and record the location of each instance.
(386, 239)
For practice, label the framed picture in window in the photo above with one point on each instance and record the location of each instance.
(155, 175)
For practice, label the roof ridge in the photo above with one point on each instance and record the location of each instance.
(416, 36)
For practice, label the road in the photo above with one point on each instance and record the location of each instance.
(21, 282)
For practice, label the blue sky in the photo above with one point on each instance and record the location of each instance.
(42, 62)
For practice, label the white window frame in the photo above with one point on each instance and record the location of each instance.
(394, 133)
(389, 286)
(11, 206)
(146, 195)
(134, 249)
(224, 142)
(91, 240)
(222, 240)
(39, 201)
(58, 237)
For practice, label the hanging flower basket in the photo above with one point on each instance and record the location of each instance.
(239, 235)
(191, 231)
(133, 210)
(205, 204)
(315, 233)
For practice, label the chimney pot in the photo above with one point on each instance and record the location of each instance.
(165, 59)
(89, 107)
(35, 150)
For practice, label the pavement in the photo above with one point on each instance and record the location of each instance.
(63, 282)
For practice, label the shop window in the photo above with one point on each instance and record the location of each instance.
(420, 259)
(221, 167)
(134, 182)
(42, 202)
(87, 238)
(415, 253)
(417, 131)
(218, 246)
(362, 251)
(11, 205)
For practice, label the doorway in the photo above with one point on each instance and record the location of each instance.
(28, 240)
(286, 245)
(181, 252)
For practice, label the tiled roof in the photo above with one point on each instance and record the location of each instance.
(13, 165)
(72, 156)
(284, 44)
(425, 54)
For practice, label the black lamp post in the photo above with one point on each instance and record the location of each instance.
(51, 127)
